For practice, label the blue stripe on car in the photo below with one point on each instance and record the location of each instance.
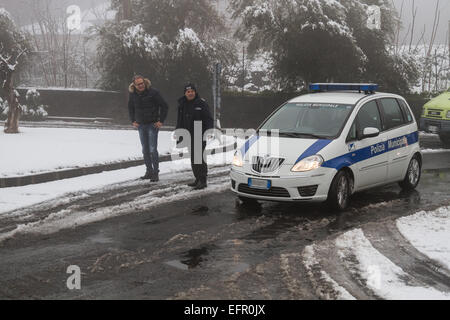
(314, 149)
(248, 144)
(375, 150)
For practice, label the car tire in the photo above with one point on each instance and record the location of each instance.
(339, 194)
(413, 174)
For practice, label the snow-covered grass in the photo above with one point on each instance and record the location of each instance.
(429, 232)
(40, 150)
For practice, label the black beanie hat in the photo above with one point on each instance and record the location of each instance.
(190, 86)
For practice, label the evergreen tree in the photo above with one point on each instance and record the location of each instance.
(171, 42)
(323, 41)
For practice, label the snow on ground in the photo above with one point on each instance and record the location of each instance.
(429, 232)
(435, 150)
(312, 264)
(381, 275)
(39, 150)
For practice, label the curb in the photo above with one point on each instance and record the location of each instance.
(78, 172)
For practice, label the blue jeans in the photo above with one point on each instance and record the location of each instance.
(149, 140)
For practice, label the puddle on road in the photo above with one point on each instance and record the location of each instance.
(191, 259)
(200, 211)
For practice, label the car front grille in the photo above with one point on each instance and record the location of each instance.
(435, 113)
(266, 165)
(272, 192)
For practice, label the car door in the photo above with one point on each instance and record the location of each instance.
(396, 126)
(369, 154)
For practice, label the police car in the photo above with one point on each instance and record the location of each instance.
(329, 144)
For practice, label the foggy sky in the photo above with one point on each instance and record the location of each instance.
(20, 9)
(425, 16)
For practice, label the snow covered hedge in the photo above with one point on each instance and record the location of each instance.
(33, 110)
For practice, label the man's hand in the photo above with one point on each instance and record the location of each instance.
(136, 125)
(158, 125)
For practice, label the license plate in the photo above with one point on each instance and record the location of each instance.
(259, 184)
(433, 129)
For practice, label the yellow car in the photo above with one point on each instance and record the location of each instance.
(436, 117)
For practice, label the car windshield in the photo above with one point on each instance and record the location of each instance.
(314, 120)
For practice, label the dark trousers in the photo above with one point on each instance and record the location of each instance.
(148, 135)
(200, 170)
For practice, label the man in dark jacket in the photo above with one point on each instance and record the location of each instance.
(193, 112)
(148, 111)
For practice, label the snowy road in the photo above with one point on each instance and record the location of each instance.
(204, 245)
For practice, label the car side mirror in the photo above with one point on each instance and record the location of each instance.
(370, 133)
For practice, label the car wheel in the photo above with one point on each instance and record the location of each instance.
(413, 174)
(339, 194)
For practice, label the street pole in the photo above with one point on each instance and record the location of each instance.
(217, 94)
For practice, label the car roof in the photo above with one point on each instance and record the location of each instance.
(338, 97)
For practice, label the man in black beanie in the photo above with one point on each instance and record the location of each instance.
(193, 111)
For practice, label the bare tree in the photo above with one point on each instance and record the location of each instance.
(8, 66)
(59, 49)
(413, 23)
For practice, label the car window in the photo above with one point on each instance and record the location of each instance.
(368, 117)
(409, 116)
(393, 116)
(309, 119)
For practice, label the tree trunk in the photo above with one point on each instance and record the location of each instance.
(126, 7)
(12, 123)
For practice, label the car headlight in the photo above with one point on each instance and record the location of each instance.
(237, 160)
(448, 114)
(423, 111)
(308, 164)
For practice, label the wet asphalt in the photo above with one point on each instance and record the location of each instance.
(207, 247)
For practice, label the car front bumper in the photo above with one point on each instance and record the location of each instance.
(435, 125)
(312, 186)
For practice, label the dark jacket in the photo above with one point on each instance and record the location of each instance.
(191, 111)
(146, 107)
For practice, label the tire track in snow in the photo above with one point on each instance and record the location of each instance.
(388, 240)
(381, 275)
(325, 287)
(120, 199)
(330, 261)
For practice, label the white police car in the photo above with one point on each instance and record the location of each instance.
(326, 145)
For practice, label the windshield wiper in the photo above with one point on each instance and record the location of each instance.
(298, 134)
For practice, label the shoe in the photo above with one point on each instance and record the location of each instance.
(154, 178)
(201, 186)
(193, 184)
(148, 175)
